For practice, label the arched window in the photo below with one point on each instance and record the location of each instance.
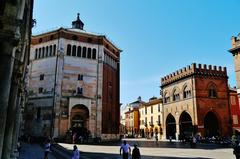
(176, 96)
(36, 54)
(166, 98)
(43, 52)
(94, 54)
(74, 50)
(50, 50)
(39, 53)
(69, 49)
(47, 51)
(186, 92)
(212, 92)
(84, 52)
(54, 50)
(89, 53)
(79, 51)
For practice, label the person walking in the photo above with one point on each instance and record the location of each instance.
(125, 148)
(47, 148)
(76, 153)
(136, 152)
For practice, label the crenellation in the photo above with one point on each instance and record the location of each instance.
(200, 69)
(219, 68)
(205, 66)
(215, 68)
(210, 67)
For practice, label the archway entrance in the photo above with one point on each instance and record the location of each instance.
(211, 125)
(79, 120)
(170, 127)
(186, 127)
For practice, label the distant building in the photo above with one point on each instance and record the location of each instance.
(151, 118)
(132, 117)
(235, 110)
(73, 84)
(235, 50)
(195, 101)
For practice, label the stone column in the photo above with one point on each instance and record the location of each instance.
(6, 67)
(177, 131)
(11, 117)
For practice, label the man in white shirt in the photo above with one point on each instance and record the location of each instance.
(126, 149)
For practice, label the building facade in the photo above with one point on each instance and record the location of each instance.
(73, 84)
(151, 118)
(195, 101)
(132, 117)
(235, 110)
(15, 32)
(235, 50)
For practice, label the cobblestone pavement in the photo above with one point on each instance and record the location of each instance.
(151, 150)
(33, 151)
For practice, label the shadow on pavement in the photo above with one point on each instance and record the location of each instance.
(164, 144)
(90, 155)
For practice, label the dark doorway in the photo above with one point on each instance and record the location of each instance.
(170, 127)
(211, 125)
(186, 127)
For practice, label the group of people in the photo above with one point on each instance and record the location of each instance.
(125, 150)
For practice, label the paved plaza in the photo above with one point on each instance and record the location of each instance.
(162, 150)
(33, 151)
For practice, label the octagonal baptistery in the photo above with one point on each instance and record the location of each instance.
(73, 79)
(195, 102)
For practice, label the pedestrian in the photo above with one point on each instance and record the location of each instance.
(76, 153)
(136, 152)
(236, 149)
(47, 148)
(125, 148)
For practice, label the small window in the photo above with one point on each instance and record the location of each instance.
(41, 77)
(89, 53)
(159, 108)
(51, 37)
(79, 51)
(80, 77)
(145, 120)
(79, 91)
(94, 54)
(186, 93)
(74, 50)
(54, 50)
(74, 37)
(43, 52)
(69, 49)
(145, 110)
(212, 92)
(151, 109)
(40, 40)
(39, 53)
(36, 54)
(50, 50)
(47, 51)
(89, 40)
(84, 52)
(40, 90)
(159, 119)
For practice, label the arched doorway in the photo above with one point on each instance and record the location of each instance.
(79, 120)
(186, 127)
(211, 125)
(170, 127)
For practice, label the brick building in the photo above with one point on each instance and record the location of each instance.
(235, 109)
(196, 101)
(73, 84)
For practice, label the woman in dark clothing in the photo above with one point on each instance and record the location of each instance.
(136, 152)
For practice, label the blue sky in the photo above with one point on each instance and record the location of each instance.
(157, 37)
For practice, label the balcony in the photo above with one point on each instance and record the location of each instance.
(151, 124)
(158, 123)
(145, 124)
